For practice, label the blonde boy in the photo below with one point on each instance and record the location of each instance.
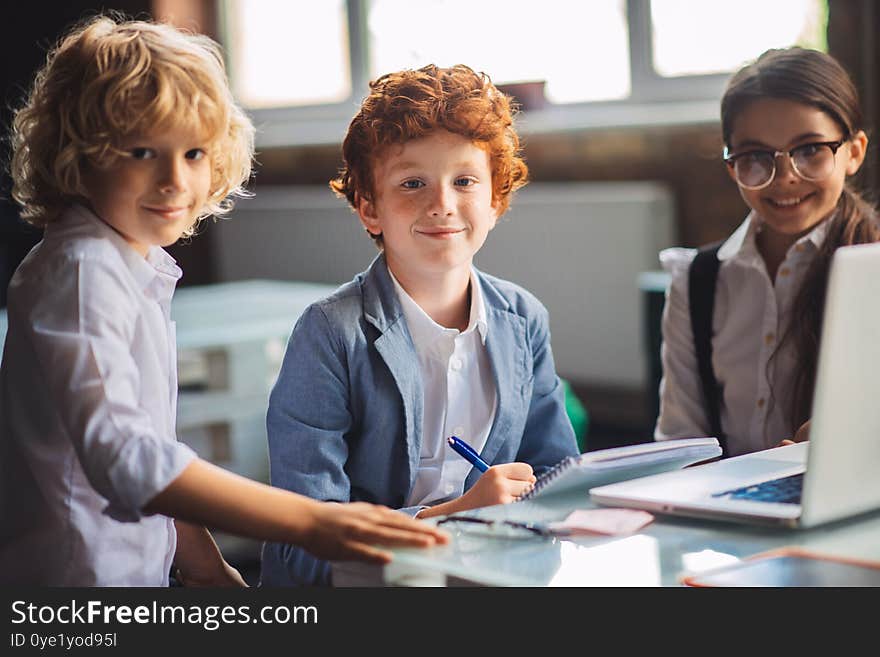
(128, 139)
(422, 345)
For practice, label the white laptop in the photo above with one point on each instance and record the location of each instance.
(838, 469)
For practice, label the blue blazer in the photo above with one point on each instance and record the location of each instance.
(345, 414)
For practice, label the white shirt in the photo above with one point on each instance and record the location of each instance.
(459, 395)
(751, 315)
(88, 390)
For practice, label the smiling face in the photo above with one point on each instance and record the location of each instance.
(433, 206)
(790, 205)
(156, 190)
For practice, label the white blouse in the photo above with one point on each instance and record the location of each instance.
(750, 315)
(88, 392)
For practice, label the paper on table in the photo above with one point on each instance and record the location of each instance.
(601, 521)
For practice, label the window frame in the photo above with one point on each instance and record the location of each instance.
(653, 100)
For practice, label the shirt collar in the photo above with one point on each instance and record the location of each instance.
(157, 274)
(742, 244)
(425, 330)
(817, 236)
(478, 308)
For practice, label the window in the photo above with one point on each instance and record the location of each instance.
(301, 67)
(274, 49)
(727, 39)
(584, 57)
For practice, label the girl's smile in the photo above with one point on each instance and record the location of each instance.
(791, 205)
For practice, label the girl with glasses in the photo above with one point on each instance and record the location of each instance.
(741, 322)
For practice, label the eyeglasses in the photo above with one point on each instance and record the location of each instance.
(498, 528)
(756, 169)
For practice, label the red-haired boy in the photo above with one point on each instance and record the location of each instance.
(422, 345)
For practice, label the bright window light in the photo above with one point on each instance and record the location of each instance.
(719, 36)
(302, 66)
(580, 49)
(288, 52)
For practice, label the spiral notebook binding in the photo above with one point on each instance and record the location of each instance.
(547, 477)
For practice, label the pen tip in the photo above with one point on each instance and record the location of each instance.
(450, 440)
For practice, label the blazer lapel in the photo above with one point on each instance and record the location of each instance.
(505, 345)
(394, 344)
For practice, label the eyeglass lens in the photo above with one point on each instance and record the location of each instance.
(810, 161)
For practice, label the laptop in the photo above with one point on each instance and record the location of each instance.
(832, 476)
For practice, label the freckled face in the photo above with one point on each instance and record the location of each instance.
(433, 204)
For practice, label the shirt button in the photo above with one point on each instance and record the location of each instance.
(769, 338)
(449, 489)
(761, 403)
(458, 431)
(456, 364)
(785, 271)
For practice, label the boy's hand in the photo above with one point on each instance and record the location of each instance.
(222, 576)
(349, 532)
(500, 484)
(225, 576)
(198, 559)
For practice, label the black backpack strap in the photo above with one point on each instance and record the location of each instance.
(702, 277)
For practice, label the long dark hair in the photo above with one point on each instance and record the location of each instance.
(816, 79)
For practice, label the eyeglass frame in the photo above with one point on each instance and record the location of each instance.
(731, 158)
(533, 527)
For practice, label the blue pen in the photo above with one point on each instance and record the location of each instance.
(467, 452)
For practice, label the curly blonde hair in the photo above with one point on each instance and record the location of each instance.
(108, 80)
(409, 104)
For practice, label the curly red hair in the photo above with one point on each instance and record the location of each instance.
(410, 104)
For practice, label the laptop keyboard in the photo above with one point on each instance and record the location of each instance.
(786, 490)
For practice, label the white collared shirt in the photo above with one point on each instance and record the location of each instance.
(459, 395)
(751, 314)
(88, 394)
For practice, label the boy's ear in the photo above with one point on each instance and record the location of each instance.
(858, 147)
(366, 210)
(496, 204)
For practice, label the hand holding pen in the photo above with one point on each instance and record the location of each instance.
(467, 452)
(501, 484)
(498, 484)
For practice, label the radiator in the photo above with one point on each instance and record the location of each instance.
(579, 247)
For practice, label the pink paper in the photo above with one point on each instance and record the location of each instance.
(602, 521)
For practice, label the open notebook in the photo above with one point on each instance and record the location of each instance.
(606, 466)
